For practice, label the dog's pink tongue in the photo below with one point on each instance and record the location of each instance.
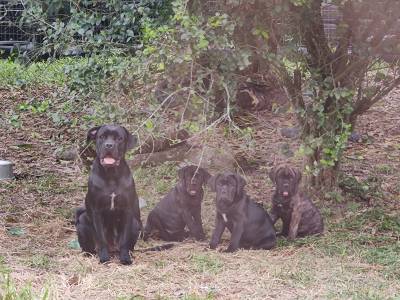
(108, 160)
(285, 193)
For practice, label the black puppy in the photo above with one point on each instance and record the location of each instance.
(249, 224)
(181, 207)
(111, 217)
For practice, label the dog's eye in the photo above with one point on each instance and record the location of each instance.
(119, 139)
(102, 136)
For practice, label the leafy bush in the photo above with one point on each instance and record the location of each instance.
(14, 73)
(92, 26)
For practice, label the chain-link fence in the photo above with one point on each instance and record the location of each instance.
(13, 34)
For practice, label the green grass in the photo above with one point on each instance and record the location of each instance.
(51, 184)
(384, 169)
(41, 73)
(206, 263)
(209, 296)
(152, 182)
(10, 291)
(40, 261)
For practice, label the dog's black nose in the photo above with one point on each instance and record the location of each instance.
(109, 145)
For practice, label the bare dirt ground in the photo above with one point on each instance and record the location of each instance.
(357, 258)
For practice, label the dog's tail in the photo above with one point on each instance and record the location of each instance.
(80, 210)
(158, 248)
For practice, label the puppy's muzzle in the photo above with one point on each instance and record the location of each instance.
(285, 191)
(223, 203)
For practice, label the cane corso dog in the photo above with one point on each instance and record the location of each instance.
(250, 225)
(181, 207)
(300, 217)
(111, 217)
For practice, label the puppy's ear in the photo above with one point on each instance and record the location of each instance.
(92, 133)
(272, 175)
(131, 140)
(205, 175)
(181, 173)
(297, 174)
(240, 183)
(212, 182)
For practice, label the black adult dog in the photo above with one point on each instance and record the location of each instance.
(111, 217)
(250, 225)
(181, 207)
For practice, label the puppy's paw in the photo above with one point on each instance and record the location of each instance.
(213, 245)
(200, 237)
(145, 236)
(229, 249)
(104, 256)
(104, 260)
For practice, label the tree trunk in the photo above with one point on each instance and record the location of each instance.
(326, 178)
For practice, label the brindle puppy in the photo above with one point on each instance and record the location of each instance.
(249, 224)
(300, 217)
(181, 207)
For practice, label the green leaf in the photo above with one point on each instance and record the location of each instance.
(74, 244)
(161, 67)
(149, 124)
(203, 43)
(17, 231)
(81, 31)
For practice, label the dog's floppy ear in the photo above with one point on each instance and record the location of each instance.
(297, 174)
(92, 133)
(212, 182)
(240, 183)
(205, 175)
(181, 173)
(131, 140)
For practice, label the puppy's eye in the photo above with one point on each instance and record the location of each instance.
(119, 139)
(102, 136)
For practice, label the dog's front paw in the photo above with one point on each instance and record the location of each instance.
(125, 258)
(104, 256)
(213, 245)
(200, 237)
(230, 249)
(145, 236)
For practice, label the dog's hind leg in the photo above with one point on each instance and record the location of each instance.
(268, 243)
(154, 223)
(85, 233)
(149, 226)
